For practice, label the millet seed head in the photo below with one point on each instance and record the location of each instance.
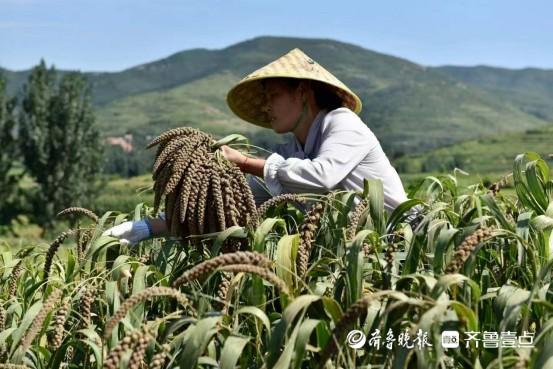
(80, 211)
(206, 267)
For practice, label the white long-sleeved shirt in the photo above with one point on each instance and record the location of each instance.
(339, 153)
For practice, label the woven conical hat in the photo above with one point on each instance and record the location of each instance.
(247, 98)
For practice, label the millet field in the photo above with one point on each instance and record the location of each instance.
(303, 281)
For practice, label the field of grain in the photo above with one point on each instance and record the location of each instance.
(304, 281)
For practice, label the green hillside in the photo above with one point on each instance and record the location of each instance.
(484, 156)
(411, 108)
(197, 102)
(529, 89)
(173, 71)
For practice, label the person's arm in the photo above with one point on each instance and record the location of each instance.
(132, 232)
(245, 163)
(252, 166)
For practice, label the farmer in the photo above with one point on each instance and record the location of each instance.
(332, 147)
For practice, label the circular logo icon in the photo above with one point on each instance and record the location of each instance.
(356, 339)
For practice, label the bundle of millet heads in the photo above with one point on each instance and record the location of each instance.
(203, 191)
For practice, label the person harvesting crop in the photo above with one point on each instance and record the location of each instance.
(332, 148)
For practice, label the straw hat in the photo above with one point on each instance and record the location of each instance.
(247, 98)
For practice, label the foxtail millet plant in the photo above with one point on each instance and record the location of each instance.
(83, 238)
(79, 211)
(59, 322)
(223, 290)
(308, 231)
(368, 249)
(206, 267)
(188, 171)
(497, 186)
(2, 316)
(355, 217)
(14, 279)
(279, 200)
(201, 203)
(158, 360)
(249, 210)
(168, 135)
(264, 273)
(116, 353)
(465, 249)
(348, 319)
(139, 297)
(139, 349)
(87, 299)
(389, 255)
(54, 246)
(35, 328)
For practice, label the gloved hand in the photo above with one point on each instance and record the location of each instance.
(130, 233)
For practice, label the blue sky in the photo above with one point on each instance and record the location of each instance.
(110, 35)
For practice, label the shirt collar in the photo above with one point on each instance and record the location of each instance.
(312, 135)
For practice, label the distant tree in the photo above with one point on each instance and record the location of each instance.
(458, 161)
(433, 163)
(9, 177)
(129, 164)
(61, 146)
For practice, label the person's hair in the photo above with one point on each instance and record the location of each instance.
(325, 96)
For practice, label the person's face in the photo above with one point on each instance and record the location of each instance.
(284, 105)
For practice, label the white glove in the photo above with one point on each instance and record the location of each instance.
(130, 233)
